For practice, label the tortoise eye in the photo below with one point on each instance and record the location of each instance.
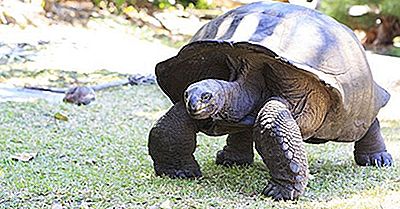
(206, 96)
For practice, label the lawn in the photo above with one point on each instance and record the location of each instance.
(99, 159)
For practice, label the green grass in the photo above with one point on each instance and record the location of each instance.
(99, 159)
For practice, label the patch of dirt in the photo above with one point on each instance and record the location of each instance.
(98, 47)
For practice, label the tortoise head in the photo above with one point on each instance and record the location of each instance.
(204, 99)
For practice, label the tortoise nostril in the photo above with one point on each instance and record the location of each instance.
(192, 105)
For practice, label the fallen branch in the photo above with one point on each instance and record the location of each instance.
(84, 95)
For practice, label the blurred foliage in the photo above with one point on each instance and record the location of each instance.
(390, 7)
(197, 4)
(118, 6)
(394, 51)
(339, 10)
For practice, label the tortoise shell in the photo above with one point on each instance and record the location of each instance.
(289, 38)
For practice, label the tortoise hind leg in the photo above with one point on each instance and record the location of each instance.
(371, 149)
(172, 142)
(238, 150)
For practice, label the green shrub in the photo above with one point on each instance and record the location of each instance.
(339, 10)
(156, 4)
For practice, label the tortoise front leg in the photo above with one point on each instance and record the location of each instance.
(238, 150)
(279, 142)
(172, 142)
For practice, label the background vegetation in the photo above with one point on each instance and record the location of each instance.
(372, 21)
(339, 10)
(336, 8)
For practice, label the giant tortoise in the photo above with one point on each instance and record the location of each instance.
(275, 74)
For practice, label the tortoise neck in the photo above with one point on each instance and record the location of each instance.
(240, 99)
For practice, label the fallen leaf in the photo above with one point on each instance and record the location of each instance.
(24, 157)
(60, 116)
(56, 205)
(154, 207)
(90, 161)
(166, 205)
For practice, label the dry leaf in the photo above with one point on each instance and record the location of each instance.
(60, 116)
(56, 206)
(154, 207)
(166, 205)
(24, 157)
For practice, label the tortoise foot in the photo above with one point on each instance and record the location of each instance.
(380, 159)
(371, 149)
(280, 192)
(187, 172)
(230, 159)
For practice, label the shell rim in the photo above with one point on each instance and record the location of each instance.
(247, 45)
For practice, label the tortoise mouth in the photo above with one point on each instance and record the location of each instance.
(201, 111)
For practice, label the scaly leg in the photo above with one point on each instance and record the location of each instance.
(371, 149)
(238, 151)
(279, 142)
(172, 142)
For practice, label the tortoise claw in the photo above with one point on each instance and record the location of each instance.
(380, 159)
(230, 159)
(183, 173)
(278, 192)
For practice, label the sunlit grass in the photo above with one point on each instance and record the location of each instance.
(99, 159)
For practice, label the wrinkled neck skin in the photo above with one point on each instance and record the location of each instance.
(241, 97)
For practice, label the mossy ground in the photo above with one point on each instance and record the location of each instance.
(99, 159)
